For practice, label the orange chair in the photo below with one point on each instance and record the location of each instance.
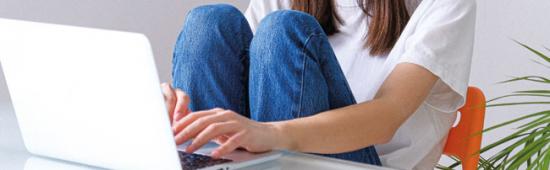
(464, 140)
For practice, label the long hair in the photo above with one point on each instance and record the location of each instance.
(387, 19)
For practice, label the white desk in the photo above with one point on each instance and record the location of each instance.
(13, 155)
(21, 160)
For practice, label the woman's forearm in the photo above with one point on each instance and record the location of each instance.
(341, 130)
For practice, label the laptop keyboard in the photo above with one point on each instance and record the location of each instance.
(191, 161)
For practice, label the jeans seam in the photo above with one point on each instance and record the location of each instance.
(300, 103)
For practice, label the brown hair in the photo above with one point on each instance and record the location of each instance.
(387, 18)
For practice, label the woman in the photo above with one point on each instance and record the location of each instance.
(332, 77)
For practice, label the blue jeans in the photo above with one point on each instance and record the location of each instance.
(287, 70)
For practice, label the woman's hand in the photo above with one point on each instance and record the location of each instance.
(228, 129)
(177, 102)
(225, 127)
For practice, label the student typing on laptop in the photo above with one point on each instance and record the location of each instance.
(319, 81)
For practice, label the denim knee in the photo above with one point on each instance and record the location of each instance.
(208, 27)
(281, 30)
(289, 22)
(215, 15)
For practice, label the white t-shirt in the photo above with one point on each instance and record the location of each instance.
(438, 37)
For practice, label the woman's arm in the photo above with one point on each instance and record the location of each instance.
(335, 131)
(361, 125)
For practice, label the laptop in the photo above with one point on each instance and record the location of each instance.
(93, 97)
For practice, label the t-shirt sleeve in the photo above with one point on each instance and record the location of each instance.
(258, 9)
(443, 43)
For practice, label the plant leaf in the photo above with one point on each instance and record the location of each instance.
(540, 63)
(513, 136)
(538, 79)
(516, 120)
(520, 103)
(534, 91)
(541, 55)
(500, 142)
(527, 152)
(546, 162)
(518, 143)
(518, 95)
(529, 142)
(540, 119)
(538, 160)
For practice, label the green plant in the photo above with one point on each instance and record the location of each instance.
(528, 146)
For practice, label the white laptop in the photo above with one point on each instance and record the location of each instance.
(92, 96)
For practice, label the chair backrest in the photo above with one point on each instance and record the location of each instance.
(464, 140)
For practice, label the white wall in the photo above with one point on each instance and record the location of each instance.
(495, 58)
